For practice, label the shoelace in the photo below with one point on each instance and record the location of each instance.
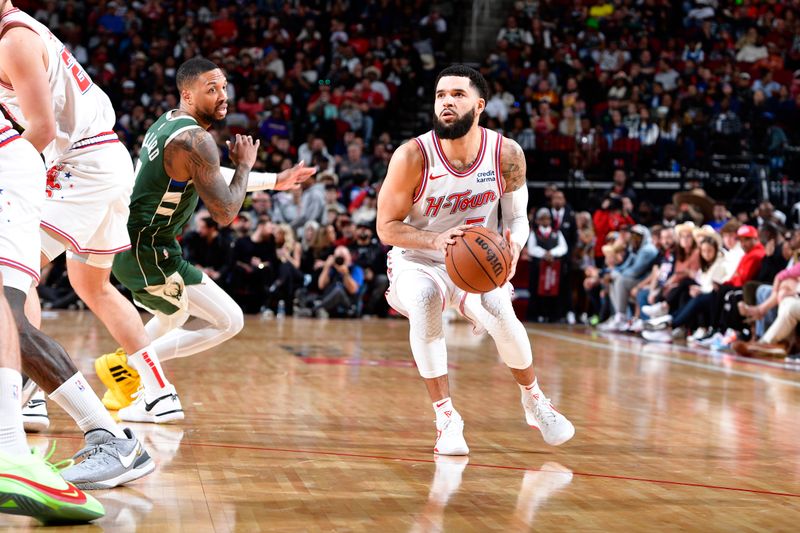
(60, 465)
(94, 453)
(543, 409)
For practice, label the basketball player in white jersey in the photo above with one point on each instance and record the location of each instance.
(28, 484)
(437, 185)
(40, 86)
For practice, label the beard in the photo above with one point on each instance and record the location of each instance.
(455, 130)
(210, 116)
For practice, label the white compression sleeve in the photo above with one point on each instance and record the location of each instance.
(423, 302)
(515, 214)
(494, 311)
(256, 181)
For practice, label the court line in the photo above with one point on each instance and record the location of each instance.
(667, 358)
(476, 465)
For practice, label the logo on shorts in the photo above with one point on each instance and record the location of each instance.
(173, 290)
(53, 183)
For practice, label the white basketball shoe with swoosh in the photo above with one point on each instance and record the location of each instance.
(165, 408)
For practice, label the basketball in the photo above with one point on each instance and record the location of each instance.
(479, 261)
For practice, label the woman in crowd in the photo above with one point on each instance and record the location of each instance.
(675, 291)
(696, 313)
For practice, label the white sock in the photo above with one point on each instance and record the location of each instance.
(146, 362)
(80, 402)
(532, 389)
(444, 410)
(12, 436)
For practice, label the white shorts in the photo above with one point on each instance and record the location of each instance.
(88, 193)
(22, 179)
(398, 262)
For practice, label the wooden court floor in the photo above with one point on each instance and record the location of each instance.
(324, 425)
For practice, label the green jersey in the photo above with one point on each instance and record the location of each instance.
(160, 207)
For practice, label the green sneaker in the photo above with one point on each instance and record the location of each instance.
(33, 487)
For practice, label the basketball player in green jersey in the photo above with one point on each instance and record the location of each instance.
(178, 164)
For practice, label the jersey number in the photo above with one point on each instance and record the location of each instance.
(476, 221)
(81, 78)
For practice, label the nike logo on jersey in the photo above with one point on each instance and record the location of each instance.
(438, 176)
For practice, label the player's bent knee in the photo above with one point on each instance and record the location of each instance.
(236, 321)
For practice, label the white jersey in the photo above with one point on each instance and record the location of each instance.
(449, 198)
(82, 109)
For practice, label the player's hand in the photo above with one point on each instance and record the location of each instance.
(243, 151)
(515, 251)
(448, 237)
(291, 178)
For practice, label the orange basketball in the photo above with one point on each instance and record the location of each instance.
(479, 261)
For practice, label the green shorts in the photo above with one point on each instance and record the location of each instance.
(158, 287)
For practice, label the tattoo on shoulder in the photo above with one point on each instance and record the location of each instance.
(196, 155)
(512, 165)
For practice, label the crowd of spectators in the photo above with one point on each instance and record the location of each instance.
(327, 82)
(649, 84)
(694, 272)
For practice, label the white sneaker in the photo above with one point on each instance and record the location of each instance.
(637, 326)
(165, 408)
(678, 333)
(34, 414)
(540, 414)
(659, 335)
(711, 339)
(698, 334)
(656, 310)
(450, 437)
(571, 318)
(659, 323)
(615, 323)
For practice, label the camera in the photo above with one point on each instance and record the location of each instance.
(339, 260)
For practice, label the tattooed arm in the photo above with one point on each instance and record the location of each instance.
(194, 155)
(514, 202)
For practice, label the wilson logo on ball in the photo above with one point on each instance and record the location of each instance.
(491, 257)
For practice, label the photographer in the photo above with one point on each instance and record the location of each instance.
(340, 283)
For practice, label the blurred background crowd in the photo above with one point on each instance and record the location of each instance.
(637, 117)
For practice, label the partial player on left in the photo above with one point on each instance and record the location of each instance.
(40, 89)
(29, 485)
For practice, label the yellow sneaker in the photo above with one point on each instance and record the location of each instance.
(121, 379)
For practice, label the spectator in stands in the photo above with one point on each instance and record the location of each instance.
(651, 289)
(287, 274)
(610, 217)
(724, 308)
(547, 251)
(641, 256)
(312, 203)
(368, 253)
(252, 265)
(512, 34)
(696, 313)
(208, 248)
(675, 290)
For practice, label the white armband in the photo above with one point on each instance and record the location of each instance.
(514, 205)
(256, 181)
